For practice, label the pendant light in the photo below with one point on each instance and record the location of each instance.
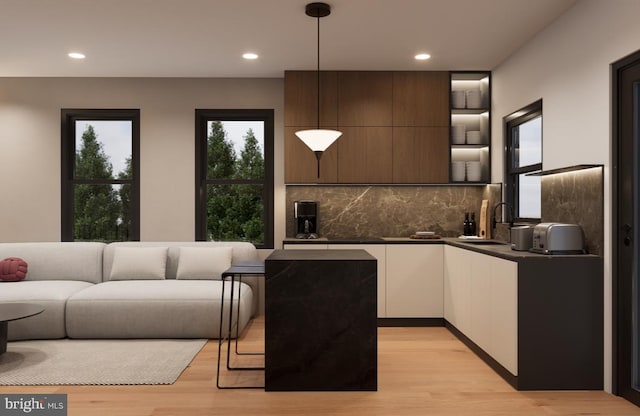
(318, 140)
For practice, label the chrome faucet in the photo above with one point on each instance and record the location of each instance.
(494, 222)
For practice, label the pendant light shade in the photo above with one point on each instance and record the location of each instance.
(318, 140)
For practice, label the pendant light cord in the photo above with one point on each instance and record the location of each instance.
(318, 70)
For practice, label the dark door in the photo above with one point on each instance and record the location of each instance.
(626, 227)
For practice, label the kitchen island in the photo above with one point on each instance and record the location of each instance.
(320, 321)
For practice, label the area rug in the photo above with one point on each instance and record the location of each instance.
(96, 362)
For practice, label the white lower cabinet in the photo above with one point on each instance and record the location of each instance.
(457, 288)
(504, 313)
(410, 277)
(305, 246)
(481, 295)
(379, 252)
(414, 281)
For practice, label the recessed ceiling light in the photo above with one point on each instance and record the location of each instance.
(250, 55)
(76, 55)
(422, 56)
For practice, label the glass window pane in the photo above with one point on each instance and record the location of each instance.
(529, 195)
(235, 213)
(235, 150)
(528, 146)
(101, 212)
(103, 149)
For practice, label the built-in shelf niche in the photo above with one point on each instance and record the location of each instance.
(474, 116)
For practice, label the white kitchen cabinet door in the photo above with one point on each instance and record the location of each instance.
(504, 313)
(414, 281)
(457, 288)
(305, 246)
(480, 299)
(379, 252)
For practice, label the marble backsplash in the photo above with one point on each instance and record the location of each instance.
(577, 198)
(398, 211)
(390, 211)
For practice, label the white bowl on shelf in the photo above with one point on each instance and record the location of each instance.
(458, 99)
(458, 170)
(474, 98)
(474, 171)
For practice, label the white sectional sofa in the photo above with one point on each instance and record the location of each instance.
(128, 290)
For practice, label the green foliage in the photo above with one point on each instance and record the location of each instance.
(91, 162)
(221, 156)
(251, 163)
(125, 201)
(98, 208)
(234, 211)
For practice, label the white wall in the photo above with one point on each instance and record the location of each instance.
(30, 146)
(568, 66)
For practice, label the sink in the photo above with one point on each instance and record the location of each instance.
(483, 242)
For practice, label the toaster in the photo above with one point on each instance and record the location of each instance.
(557, 238)
(521, 237)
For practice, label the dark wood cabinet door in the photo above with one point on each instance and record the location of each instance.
(301, 98)
(300, 164)
(421, 98)
(420, 154)
(365, 155)
(365, 98)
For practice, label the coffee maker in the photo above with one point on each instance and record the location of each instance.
(305, 214)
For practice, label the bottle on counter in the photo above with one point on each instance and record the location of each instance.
(466, 225)
(472, 225)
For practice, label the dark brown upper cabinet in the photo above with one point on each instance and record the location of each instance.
(365, 98)
(301, 99)
(421, 99)
(365, 155)
(420, 154)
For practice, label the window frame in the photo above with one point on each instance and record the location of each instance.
(512, 173)
(202, 116)
(68, 152)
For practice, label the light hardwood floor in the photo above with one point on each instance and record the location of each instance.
(421, 371)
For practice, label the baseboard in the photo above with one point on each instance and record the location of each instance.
(490, 361)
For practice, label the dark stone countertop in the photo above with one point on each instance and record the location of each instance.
(498, 249)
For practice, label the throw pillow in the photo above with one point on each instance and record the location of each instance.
(203, 262)
(13, 269)
(138, 263)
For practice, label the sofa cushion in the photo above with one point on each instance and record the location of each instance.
(59, 261)
(13, 269)
(242, 251)
(139, 263)
(52, 295)
(203, 262)
(155, 309)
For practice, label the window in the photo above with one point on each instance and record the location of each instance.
(234, 176)
(524, 155)
(100, 175)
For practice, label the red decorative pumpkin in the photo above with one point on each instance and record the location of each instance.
(13, 269)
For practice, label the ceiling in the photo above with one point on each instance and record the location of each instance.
(206, 38)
